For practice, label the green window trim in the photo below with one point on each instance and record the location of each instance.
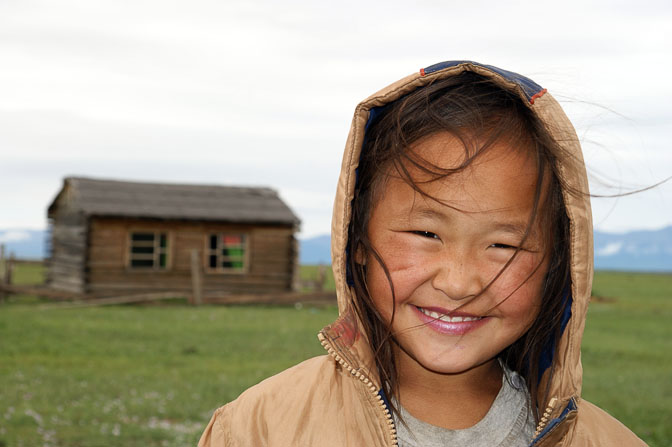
(226, 252)
(148, 250)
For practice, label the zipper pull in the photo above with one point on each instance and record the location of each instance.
(545, 417)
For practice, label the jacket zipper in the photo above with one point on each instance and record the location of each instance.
(545, 418)
(386, 411)
(372, 388)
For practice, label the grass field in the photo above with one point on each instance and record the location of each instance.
(152, 375)
(627, 352)
(311, 273)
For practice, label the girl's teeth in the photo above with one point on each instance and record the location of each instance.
(446, 318)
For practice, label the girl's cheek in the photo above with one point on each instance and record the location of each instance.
(407, 267)
(400, 254)
(523, 277)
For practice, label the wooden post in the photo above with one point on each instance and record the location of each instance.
(6, 281)
(9, 269)
(321, 278)
(196, 279)
(2, 272)
(294, 264)
(2, 262)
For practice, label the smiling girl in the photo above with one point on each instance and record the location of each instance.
(462, 253)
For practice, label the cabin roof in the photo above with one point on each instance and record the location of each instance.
(113, 198)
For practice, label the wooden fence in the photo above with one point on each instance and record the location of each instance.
(6, 270)
(314, 296)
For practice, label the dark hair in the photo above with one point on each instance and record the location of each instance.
(478, 113)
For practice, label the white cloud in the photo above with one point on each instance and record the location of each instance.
(261, 92)
(609, 249)
(14, 236)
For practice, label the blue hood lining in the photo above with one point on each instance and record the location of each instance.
(546, 358)
(571, 406)
(529, 87)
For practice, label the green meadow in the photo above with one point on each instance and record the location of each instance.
(152, 375)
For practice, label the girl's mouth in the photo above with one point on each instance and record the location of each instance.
(449, 324)
(447, 318)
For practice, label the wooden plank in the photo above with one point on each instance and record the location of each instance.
(121, 275)
(64, 231)
(68, 246)
(4, 279)
(61, 286)
(67, 275)
(125, 276)
(41, 291)
(196, 278)
(208, 289)
(214, 298)
(274, 298)
(263, 232)
(66, 263)
(104, 265)
(126, 299)
(252, 287)
(72, 247)
(69, 279)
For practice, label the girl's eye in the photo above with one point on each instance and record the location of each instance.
(427, 234)
(504, 246)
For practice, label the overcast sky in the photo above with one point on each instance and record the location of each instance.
(262, 92)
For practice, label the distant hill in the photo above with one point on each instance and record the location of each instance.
(636, 251)
(315, 250)
(24, 244)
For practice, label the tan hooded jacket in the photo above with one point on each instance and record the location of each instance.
(335, 400)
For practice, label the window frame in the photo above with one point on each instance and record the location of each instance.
(155, 256)
(208, 251)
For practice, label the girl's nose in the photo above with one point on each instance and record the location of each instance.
(457, 278)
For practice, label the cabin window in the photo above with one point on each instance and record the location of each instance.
(149, 250)
(226, 252)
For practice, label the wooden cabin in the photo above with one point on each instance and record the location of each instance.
(112, 237)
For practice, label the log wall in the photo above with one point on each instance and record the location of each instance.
(270, 259)
(66, 262)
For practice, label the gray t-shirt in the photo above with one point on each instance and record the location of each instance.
(508, 423)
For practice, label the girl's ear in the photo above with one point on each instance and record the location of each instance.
(360, 255)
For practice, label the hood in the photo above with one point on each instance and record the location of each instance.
(344, 336)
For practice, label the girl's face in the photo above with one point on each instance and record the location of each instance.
(441, 257)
